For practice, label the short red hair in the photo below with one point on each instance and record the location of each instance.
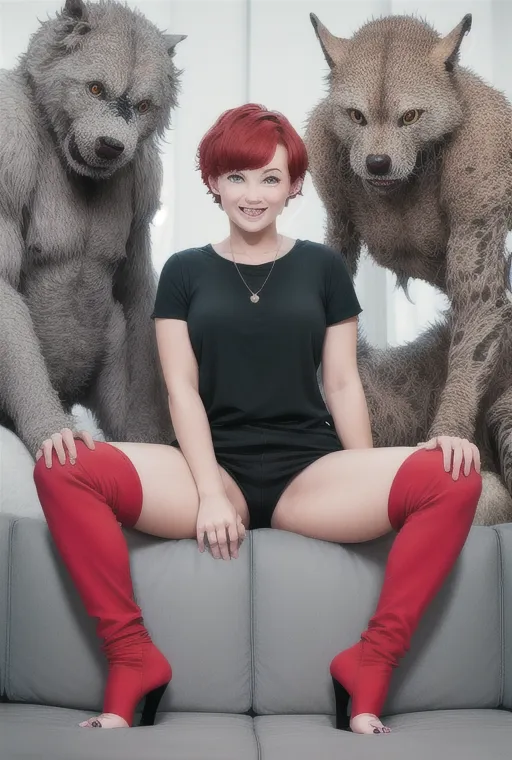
(246, 137)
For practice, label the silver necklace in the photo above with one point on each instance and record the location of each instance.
(254, 297)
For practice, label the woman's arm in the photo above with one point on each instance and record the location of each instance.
(342, 385)
(187, 410)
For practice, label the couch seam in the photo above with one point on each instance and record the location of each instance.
(251, 615)
(7, 652)
(501, 584)
(251, 635)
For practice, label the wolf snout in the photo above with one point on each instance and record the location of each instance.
(108, 147)
(378, 163)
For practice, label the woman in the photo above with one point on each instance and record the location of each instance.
(241, 328)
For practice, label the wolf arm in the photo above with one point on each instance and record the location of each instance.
(327, 163)
(26, 393)
(476, 201)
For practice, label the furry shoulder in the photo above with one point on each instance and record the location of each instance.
(20, 143)
(477, 165)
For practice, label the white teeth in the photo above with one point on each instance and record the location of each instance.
(253, 211)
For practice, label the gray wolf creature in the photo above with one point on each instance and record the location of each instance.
(411, 155)
(80, 175)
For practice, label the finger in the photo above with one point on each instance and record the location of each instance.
(467, 455)
(233, 534)
(476, 458)
(200, 538)
(457, 461)
(432, 443)
(47, 451)
(212, 541)
(447, 455)
(67, 437)
(86, 437)
(39, 454)
(59, 448)
(222, 541)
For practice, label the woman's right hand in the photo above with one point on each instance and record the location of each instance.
(223, 526)
(57, 441)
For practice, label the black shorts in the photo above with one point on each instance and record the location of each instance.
(263, 459)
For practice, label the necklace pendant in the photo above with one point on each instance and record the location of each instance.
(255, 298)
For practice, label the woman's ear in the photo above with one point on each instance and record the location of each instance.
(295, 189)
(214, 185)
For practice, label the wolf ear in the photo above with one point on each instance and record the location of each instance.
(75, 9)
(172, 40)
(72, 25)
(446, 51)
(334, 48)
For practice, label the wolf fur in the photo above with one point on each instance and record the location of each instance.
(80, 177)
(444, 221)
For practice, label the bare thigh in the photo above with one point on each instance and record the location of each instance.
(170, 500)
(343, 496)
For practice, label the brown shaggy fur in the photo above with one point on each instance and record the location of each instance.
(397, 94)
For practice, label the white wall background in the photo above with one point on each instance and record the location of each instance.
(266, 51)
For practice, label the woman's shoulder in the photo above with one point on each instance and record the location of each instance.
(185, 257)
(319, 251)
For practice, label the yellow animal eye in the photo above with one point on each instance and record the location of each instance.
(410, 117)
(357, 116)
(96, 89)
(143, 106)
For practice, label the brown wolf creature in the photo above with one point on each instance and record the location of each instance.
(411, 155)
(80, 175)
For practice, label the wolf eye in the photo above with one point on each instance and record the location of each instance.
(357, 117)
(410, 117)
(143, 106)
(96, 89)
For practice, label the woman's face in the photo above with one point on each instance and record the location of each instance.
(254, 198)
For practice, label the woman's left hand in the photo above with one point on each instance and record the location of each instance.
(460, 448)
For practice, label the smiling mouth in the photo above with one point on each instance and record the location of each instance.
(254, 212)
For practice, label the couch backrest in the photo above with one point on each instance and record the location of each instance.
(504, 533)
(5, 529)
(196, 608)
(312, 599)
(257, 631)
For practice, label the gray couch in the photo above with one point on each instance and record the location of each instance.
(250, 642)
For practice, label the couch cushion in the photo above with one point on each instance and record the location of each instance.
(447, 735)
(312, 599)
(18, 494)
(49, 733)
(504, 533)
(5, 532)
(196, 608)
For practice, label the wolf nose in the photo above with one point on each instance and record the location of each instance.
(108, 147)
(378, 164)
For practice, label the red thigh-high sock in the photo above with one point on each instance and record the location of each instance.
(432, 514)
(83, 504)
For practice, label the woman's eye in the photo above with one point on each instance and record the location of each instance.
(276, 180)
(234, 177)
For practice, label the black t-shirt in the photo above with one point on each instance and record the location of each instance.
(258, 362)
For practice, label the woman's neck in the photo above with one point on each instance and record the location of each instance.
(252, 246)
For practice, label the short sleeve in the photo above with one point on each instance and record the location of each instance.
(171, 298)
(341, 301)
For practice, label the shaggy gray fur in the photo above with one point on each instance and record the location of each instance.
(80, 178)
(444, 221)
